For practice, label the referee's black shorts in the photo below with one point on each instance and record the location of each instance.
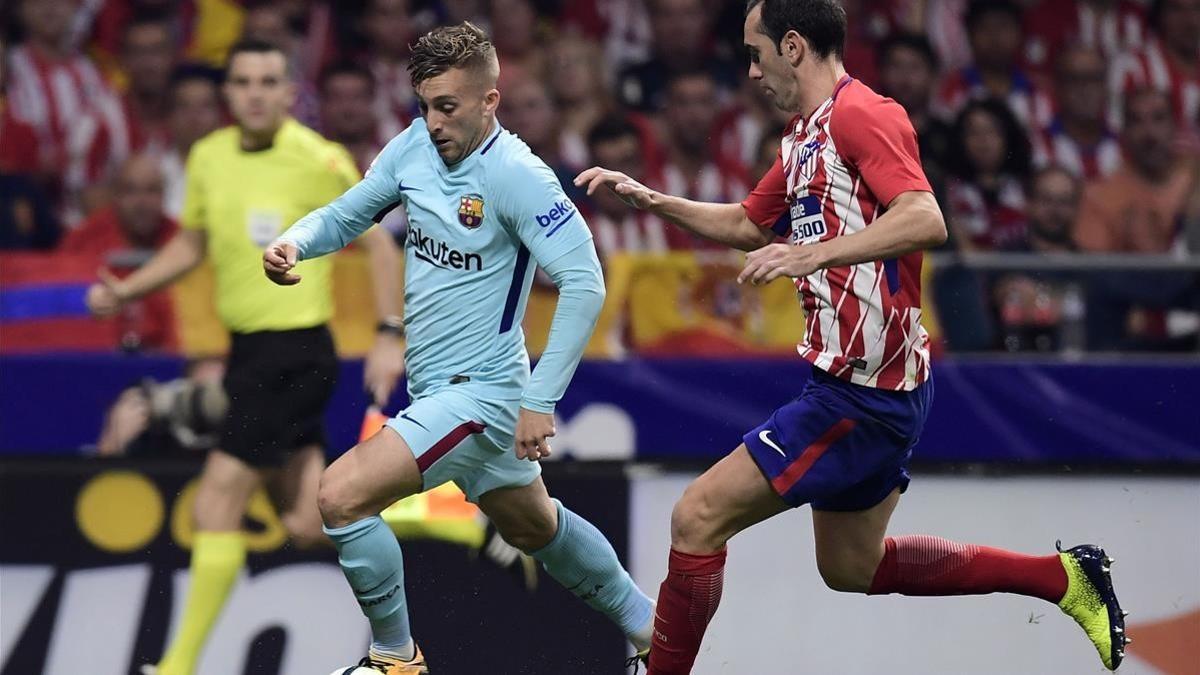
(278, 384)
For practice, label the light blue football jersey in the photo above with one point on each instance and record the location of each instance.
(477, 230)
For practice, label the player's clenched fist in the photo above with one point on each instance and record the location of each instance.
(629, 190)
(534, 429)
(278, 261)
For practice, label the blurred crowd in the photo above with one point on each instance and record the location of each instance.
(1045, 126)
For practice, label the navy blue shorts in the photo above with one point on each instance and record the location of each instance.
(840, 446)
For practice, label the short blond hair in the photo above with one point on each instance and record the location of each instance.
(463, 46)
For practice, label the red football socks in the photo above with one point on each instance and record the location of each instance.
(687, 600)
(925, 565)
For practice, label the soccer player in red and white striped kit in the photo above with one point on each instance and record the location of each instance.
(849, 194)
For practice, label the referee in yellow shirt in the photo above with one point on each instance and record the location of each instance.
(245, 184)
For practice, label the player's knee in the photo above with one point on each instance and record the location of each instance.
(696, 522)
(340, 504)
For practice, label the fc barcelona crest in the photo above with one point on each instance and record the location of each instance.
(470, 211)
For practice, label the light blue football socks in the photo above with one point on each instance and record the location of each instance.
(580, 558)
(370, 557)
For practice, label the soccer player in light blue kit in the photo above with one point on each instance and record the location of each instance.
(483, 211)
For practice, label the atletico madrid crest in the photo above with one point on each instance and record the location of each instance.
(470, 211)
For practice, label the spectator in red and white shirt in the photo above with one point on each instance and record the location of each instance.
(148, 56)
(1079, 139)
(1111, 27)
(985, 195)
(691, 166)
(51, 86)
(1170, 62)
(994, 30)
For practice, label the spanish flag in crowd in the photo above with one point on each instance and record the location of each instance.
(43, 309)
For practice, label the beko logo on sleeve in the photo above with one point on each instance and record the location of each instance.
(556, 217)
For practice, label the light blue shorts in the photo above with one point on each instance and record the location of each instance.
(458, 436)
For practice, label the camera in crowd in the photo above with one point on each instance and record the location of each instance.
(153, 418)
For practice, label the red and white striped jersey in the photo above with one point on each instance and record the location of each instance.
(1153, 67)
(837, 172)
(54, 96)
(1052, 146)
(994, 223)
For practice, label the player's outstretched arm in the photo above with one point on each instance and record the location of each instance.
(183, 253)
(723, 223)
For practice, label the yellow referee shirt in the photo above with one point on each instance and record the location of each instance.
(244, 200)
